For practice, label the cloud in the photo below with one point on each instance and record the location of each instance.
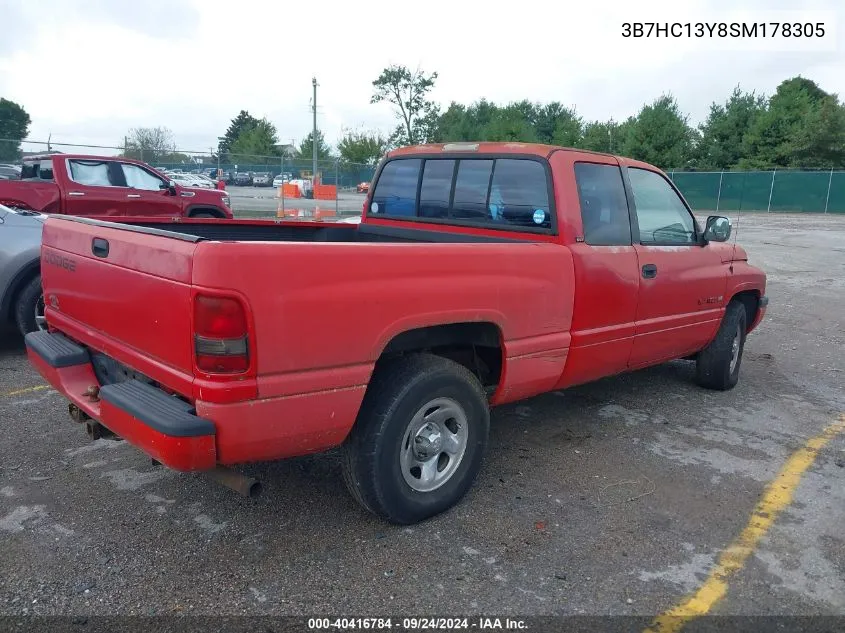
(88, 70)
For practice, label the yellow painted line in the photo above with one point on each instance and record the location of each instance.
(23, 391)
(776, 497)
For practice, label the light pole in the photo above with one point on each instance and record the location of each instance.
(314, 132)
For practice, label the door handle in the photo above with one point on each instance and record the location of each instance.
(649, 271)
(100, 247)
(75, 193)
(134, 195)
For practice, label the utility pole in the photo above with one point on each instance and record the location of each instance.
(126, 147)
(314, 132)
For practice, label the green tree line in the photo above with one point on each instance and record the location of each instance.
(800, 126)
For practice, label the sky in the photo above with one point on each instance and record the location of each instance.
(89, 70)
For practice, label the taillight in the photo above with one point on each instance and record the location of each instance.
(220, 335)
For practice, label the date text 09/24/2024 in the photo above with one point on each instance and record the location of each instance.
(724, 29)
(417, 624)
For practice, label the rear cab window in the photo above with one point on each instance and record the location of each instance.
(510, 193)
(37, 170)
(96, 173)
(604, 204)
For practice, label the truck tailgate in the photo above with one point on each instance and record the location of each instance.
(120, 290)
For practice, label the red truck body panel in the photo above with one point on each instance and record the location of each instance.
(320, 314)
(62, 195)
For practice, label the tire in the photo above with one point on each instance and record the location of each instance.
(717, 365)
(26, 304)
(203, 214)
(414, 390)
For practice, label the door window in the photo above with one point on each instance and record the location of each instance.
(662, 216)
(138, 178)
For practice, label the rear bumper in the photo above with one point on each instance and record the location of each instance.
(162, 426)
(188, 438)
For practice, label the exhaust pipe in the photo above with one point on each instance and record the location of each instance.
(76, 414)
(97, 431)
(243, 485)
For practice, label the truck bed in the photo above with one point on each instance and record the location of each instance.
(289, 231)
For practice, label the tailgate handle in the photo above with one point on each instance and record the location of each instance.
(100, 247)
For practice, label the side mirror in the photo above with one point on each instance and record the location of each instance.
(171, 187)
(717, 229)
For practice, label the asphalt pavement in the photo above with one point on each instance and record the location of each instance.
(625, 496)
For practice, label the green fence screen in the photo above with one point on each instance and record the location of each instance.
(772, 191)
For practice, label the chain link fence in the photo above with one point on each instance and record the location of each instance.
(784, 191)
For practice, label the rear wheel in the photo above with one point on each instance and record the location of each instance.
(419, 440)
(29, 308)
(204, 214)
(717, 365)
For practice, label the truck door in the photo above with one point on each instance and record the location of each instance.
(93, 188)
(682, 285)
(605, 263)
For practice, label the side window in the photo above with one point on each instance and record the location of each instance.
(91, 173)
(138, 178)
(396, 189)
(661, 215)
(519, 194)
(436, 188)
(604, 206)
(471, 187)
(45, 170)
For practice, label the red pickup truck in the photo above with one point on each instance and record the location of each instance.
(480, 274)
(93, 186)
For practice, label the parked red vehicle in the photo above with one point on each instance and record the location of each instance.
(95, 186)
(480, 274)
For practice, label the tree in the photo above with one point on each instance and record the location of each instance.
(820, 141)
(660, 135)
(14, 126)
(239, 124)
(306, 148)
(722, 144)
(407, 91)
(255, 143)
(604, 136)
(510, 124)
(364, 148)
(150, 144)
(782, 135)
(569, 127)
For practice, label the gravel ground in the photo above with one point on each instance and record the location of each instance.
(611, 498)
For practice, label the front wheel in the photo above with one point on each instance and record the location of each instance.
(419, 440)
(717, 365)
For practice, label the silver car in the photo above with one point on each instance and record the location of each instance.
(21, 303)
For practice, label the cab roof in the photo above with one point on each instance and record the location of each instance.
(486, 147)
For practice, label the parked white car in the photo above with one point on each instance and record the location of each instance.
(193, 180)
